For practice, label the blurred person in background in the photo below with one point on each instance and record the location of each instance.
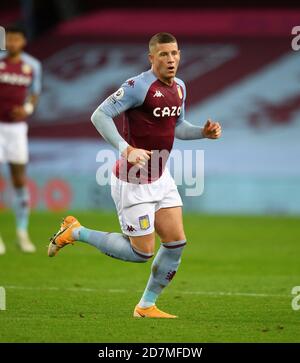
(20, 87)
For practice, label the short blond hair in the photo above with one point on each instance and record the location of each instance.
(161, 38)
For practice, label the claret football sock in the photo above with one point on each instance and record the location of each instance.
(115, 245)
(163, 269)
(21, 208)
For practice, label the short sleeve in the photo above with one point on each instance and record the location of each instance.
(131, 94)
(36, 84)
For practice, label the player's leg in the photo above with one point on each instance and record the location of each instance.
(169, 226)
(21, 196)
(21, 205)
(134, 221)
(2, 161)
(2, 245)
(117, 245)
(16, 154)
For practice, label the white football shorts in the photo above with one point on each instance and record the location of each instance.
(137, 203)
(13, 142)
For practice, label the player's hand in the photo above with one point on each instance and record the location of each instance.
(137, 157)
(19, 113)
(212, 130)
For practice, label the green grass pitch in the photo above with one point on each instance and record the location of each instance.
(234, 285)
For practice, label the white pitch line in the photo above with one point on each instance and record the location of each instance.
(221, 293)
(122, 291)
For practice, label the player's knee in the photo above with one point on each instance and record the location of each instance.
(144, 245)
(174, 237)
(141, 255)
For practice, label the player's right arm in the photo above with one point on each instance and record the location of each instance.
(129, 95)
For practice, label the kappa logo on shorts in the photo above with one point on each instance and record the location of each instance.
(144, 222)
(130, 228)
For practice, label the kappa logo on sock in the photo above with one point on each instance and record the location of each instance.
(170, 275)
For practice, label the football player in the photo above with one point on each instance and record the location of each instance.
(145, 194)
(20, 86)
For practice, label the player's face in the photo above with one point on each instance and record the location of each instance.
(165, 60)
(15, 42)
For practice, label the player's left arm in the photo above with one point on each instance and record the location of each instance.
(25, 110)
(186, 131)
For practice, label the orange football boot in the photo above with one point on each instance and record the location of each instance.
(64, 236)
(151, 312)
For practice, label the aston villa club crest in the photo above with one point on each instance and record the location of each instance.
(144, 222)
(179, 92)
